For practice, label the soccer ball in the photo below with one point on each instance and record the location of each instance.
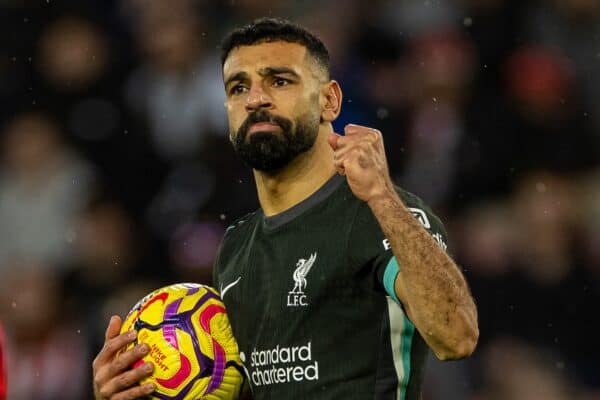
(192, 347)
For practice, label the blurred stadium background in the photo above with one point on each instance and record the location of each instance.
(116, 176)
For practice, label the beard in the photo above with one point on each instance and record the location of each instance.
(269, 152)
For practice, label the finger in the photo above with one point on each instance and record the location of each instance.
(136, 392)
(353, 129)
(354, 150)
(339, 167)
(108, 371)
(343, 141)
(114, 326)
(342, 153)
(113, 346)
(127, 379)
(333, 140)
(127, 359)
(338, 162)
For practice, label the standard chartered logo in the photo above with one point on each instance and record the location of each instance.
(283, 364)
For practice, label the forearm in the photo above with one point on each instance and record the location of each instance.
(429, 285)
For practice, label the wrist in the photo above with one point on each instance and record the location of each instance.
(383, 198)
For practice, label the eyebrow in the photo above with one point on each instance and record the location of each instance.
(239, 76)
(270, 71)
(267, 71)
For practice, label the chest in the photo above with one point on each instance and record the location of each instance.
(288, 273)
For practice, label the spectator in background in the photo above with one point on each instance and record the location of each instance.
(550, 132)
(179, 72)
(572, 26)
(522, 260)
(2, 365)
(50, 359)
(441, 68)
(44, 185)
(589, 224)
(484, 240)
(81, 73)
(193, 248)
(168, 93)
(107, 252)
(554, 300)
(517, 371)
(76, 63)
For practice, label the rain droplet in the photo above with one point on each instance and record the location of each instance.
(13, 304)
(540, 187)
(468, 21)
(70, 235)
(382, 113)
(222, 217)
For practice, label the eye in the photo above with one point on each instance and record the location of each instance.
(281, 82)
(238, 89)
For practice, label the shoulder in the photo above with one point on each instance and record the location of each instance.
(240, 227)
(232, 241)
(418, 208)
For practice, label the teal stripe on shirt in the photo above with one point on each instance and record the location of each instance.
(408, 329)
(389, 277)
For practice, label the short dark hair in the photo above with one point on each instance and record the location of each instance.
(263, 30)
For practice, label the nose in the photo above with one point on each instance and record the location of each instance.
(257, 99)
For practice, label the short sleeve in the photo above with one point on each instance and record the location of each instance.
(369, 246)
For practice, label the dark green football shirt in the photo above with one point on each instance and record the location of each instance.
(310, 296)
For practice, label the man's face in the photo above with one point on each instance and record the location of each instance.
(272, 103)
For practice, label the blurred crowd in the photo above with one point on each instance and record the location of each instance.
(117, 177)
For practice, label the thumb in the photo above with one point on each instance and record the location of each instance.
(333, 139)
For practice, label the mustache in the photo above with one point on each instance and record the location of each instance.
(263, 116)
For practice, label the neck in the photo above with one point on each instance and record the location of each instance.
(294, 183)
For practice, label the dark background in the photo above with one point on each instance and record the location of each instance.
(116, 175)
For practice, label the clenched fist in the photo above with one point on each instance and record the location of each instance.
(360, 156)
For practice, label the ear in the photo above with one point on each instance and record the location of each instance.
(331, 101)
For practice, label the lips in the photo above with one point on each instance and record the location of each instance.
(263, 127)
